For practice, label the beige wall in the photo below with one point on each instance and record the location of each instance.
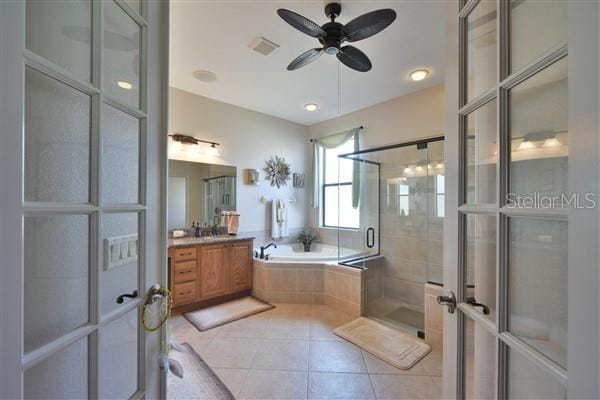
(413, 116)
(247, 138)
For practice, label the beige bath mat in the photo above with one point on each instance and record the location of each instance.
(221, 314)
(198, 382)
(394, 347)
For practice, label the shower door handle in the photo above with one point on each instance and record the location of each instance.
(370, 238)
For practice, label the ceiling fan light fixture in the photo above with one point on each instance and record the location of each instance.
(311, 107)
(418, 74)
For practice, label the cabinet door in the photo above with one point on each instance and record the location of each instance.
(213, 270)
(241, 266)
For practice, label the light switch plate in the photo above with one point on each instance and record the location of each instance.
(120, 250)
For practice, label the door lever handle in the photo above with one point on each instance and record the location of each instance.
(121, 298)
(474, 303)
(448, 299)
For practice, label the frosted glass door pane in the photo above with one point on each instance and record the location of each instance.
(537, 285)
(118, 357)
(122, 40)
(481, 261)
(64, 375)
(57, 141)
(482, 40)
(56, 277)
(536, 26)
(540, 139)
(120, 156)
(528, 381)
(480, 362)
(481, 155)
(61, 31)
(119, 271)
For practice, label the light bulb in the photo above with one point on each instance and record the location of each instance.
(408, 171)
(124, 85)
(551, 142)
(177, 146)
(213, 151)
(418, 75)
(526, 145)
(439, 165)
(311, 107)
(419, 168)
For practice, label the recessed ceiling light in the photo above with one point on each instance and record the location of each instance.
(311, 106)
(124, 85)
(205, 76)
(418, 74)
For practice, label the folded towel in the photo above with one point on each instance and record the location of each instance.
(280, 210)
(279, 226)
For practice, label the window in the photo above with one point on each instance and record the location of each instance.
(403, 199)
(337, 189)
(439, 195)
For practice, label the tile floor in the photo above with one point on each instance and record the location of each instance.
(290, 353)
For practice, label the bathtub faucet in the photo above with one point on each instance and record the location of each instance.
(263, 248)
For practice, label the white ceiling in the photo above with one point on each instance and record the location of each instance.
(214, 35)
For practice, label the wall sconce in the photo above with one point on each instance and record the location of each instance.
(252, 177)
(179, 140)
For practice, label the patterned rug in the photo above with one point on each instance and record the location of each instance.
(198, 382)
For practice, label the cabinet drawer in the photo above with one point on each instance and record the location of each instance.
(184, 275)
(183, 254)
(184, 292)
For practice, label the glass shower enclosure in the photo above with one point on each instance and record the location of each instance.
(398, 193)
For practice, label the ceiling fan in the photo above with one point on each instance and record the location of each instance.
(332, 35)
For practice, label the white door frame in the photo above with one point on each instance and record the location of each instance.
(583, 176)
(153, 111)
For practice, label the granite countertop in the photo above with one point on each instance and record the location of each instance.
(193, 241)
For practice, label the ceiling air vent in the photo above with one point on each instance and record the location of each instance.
(263, 46)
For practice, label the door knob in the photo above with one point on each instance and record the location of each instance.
(448, 299)
(474, 303)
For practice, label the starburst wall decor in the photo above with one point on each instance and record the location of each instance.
(278, 171)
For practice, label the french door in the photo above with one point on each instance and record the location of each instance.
(83, 155)
(522, 161)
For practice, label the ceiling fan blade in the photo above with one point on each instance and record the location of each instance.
(354, 58)
(305, 58)
(368, 24)
(301, 23)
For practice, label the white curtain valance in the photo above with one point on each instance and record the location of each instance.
(330, 142)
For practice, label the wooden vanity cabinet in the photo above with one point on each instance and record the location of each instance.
(208, 271)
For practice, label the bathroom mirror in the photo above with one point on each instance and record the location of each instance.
(198, 192)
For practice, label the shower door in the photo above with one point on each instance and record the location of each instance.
(358, 207)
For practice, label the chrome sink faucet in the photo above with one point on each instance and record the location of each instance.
(263, 248)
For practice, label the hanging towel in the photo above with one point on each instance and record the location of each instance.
(279, 225)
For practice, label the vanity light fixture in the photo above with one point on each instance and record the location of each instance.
(124, 85)
(418, 74)
(311, 107)
(185, 139)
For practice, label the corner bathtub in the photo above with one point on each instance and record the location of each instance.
(319, 253)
